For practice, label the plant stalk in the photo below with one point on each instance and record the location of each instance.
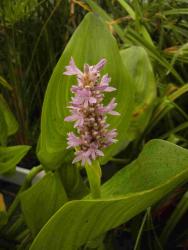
(94, 176)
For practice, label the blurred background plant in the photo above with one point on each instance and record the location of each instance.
(33, 35)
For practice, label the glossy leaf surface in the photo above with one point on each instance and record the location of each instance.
(158, 170)
(42, 200)
(90, 42)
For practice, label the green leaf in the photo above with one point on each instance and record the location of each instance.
(42, 200)
(73, 183)
(13, 13)
(181, 11)
(11, 123)
(128, 8)
(90, 42)
(160, 168)
(10, 157)
(137, 62)
(154, 52)
(3, 129)
(107, 18)
(135, 38)
(145, 34)
(180, 53)
(4, 83)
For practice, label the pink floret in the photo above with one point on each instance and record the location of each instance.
(89, 114)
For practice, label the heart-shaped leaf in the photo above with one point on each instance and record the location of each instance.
(11, 156)
(42, 200)
(160, 168)
(90, 42)
(138, 63)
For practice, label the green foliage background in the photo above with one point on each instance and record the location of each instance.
(144, 192)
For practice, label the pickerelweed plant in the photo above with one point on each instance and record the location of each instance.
(90, 119)
(55, 210)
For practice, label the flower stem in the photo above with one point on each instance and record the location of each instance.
(94, 177)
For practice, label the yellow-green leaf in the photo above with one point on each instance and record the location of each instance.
(138, 63)
(42, 200)
(160, 168)
(11, 156)
(90, 42)
(11, 123)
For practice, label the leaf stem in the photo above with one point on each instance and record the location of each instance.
(94, 177)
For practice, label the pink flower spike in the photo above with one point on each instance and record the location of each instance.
(105, 80)
(104, 84)
(105, 88)
(75, 117)
(94, 152)
(86, 68)
(109, 89)
(100, 64)
(73, 140)
(83, 157)
(84, 97)
(110, 137)
(109, 109)
(75, 88)
(89, 114)
(72, 69)
(71, 118)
